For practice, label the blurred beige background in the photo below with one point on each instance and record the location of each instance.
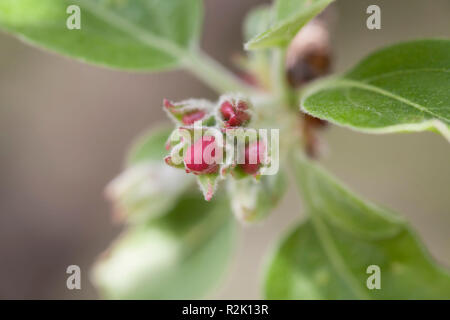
(65, 128)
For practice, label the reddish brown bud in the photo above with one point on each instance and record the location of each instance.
(206, 160)
(250, 79)
(309, 54)
(310, 135)
(314, 122)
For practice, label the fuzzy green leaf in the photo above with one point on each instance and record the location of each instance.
(405, 87)
(290, 17)
(128, 34)
(327, 256)
(179, 256)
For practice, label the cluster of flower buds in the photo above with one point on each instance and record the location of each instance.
(200, 143)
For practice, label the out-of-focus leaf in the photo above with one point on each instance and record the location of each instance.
(124, 34)
(257, 64)
(179, 256)
(147, 190)
(148, 187)
(327, 256)
(253, 200)
(290, 17)
(405, 87)
(257, 21)
(150, 146)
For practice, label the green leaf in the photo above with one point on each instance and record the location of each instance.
(150, 146)
(148, 187)
(327, 256)
(257, 21)
(253, 200)
(179, 256)
(290, 17)
(124, 34)
(257, 64)
(404, 87)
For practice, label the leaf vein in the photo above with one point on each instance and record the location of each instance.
(375, 89)
(144, 36)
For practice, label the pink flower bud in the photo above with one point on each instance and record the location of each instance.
(254, 156)
(187, 112)
(168, 104)
(204, 153)
(235, 114)
(190, 118)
